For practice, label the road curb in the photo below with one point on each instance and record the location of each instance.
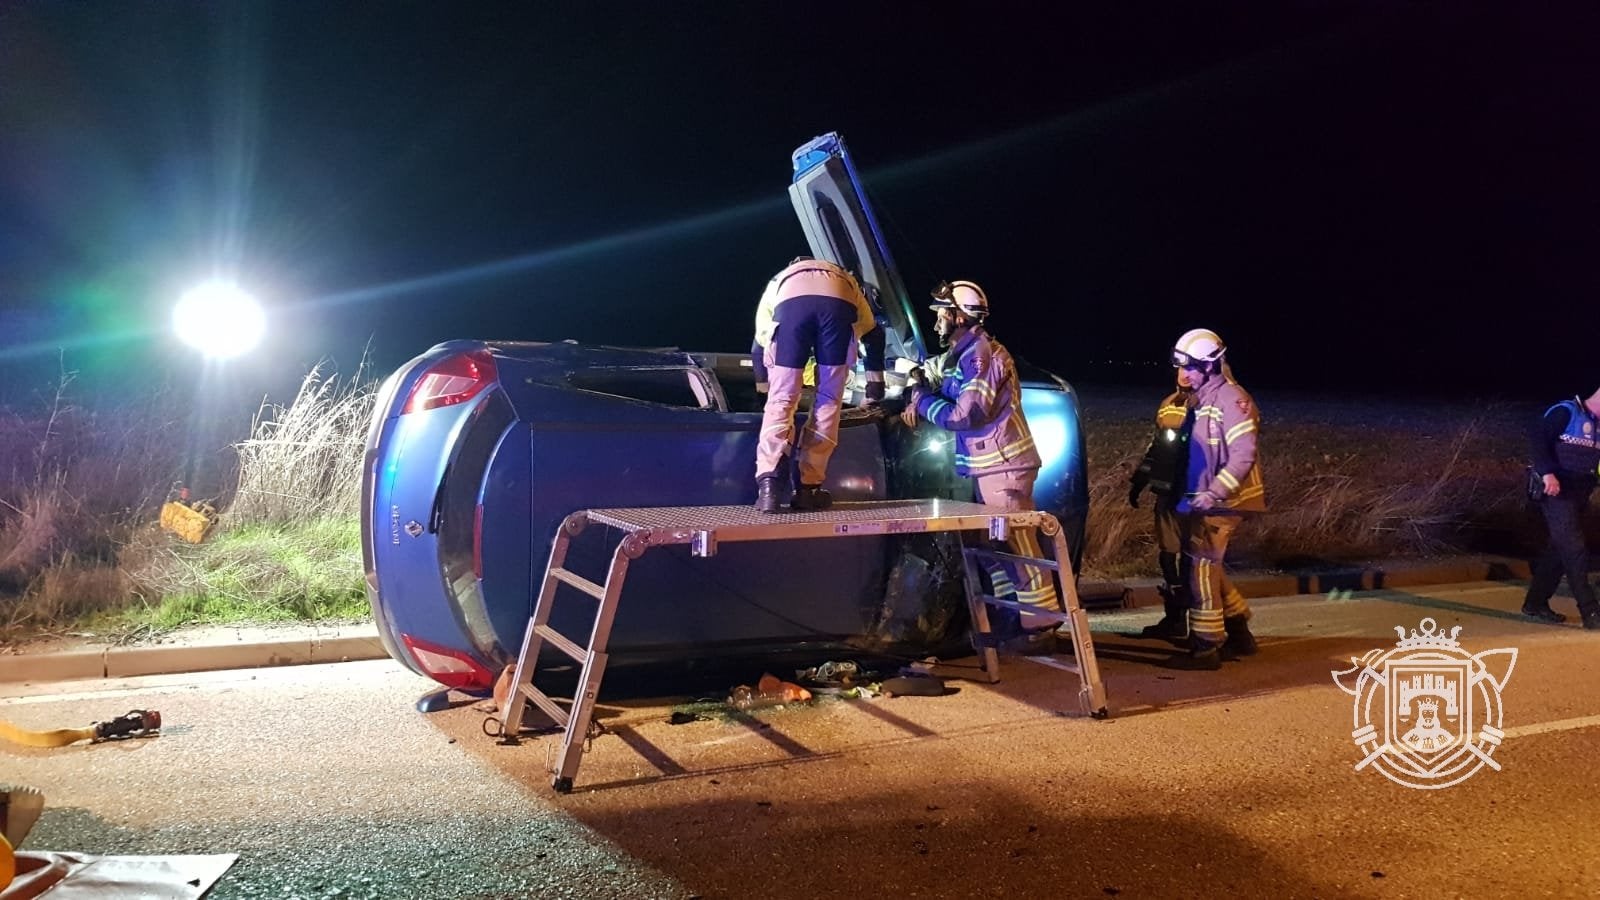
(124, 662)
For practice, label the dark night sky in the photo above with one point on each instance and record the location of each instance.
(1396, 196)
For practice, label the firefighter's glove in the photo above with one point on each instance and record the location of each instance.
(908, 416)
(1199, 502)
(876, 390)
(1134, 490)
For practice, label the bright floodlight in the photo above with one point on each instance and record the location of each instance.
(219, 319)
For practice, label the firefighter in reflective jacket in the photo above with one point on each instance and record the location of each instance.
(812, 309)
(1222, 484)
(1162, 471)
(978, 396)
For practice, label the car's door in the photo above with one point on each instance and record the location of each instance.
(832, 206)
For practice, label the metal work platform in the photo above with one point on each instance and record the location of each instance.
(703, 528)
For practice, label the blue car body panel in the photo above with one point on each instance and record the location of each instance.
(461, 501)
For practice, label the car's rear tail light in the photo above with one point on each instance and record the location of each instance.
(455, 379)
(451, 668)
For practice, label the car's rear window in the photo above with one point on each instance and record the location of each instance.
(458, 510)
(668, 386)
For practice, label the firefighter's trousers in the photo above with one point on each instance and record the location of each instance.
(808, 327)
(1212, 596)
(1013, 492)
(821, 433)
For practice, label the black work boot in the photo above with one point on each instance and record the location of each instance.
(1200, 658)
(767, 494)
(1174, 624)
(1240, 642)
(812, 497)
(1542, 612)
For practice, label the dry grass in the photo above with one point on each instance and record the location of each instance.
(302, 462)
(74, 483)
(288, 546)
(80, 489)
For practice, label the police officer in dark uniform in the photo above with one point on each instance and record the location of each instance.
(1566, 457)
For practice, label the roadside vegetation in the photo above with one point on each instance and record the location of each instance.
(80, 550)
(80, 489)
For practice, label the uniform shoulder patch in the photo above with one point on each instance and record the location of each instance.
(1247, 406)
(982, 358)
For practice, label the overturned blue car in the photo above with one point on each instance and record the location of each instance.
(479, 449)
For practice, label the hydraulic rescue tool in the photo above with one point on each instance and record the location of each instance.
(137, 723)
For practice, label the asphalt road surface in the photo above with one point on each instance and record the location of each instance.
(328, 784)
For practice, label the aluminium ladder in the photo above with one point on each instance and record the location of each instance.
(704, 527)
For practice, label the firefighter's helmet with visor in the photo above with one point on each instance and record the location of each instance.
(1198, 347)
(963, 296)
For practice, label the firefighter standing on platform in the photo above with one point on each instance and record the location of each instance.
(979, 397)
(1223, 483)
(1162, 471)
(810, 309)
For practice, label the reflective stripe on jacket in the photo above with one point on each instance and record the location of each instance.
(979, 397)
(1222, 447)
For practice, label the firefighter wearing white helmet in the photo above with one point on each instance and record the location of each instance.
(973, 391)
(1222, 484)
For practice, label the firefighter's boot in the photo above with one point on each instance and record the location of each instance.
(812, 497)
(1591, 618)
(1200, 658)
(767, 494)
(1240, 642)
(1174, 624)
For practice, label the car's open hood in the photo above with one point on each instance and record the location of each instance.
(840, 227)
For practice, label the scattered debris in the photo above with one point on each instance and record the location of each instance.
(769, 691)
(830, 674)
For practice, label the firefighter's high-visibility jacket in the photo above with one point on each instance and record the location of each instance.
(979, 397)
(810, 277)
(1164, 462)
(1222, 447)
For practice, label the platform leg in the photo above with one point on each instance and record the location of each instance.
(1091, 693)
(988, 657)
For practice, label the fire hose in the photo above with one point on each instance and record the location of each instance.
(137, 723)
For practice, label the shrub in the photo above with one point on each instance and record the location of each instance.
(288, 546)
(302, 462)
